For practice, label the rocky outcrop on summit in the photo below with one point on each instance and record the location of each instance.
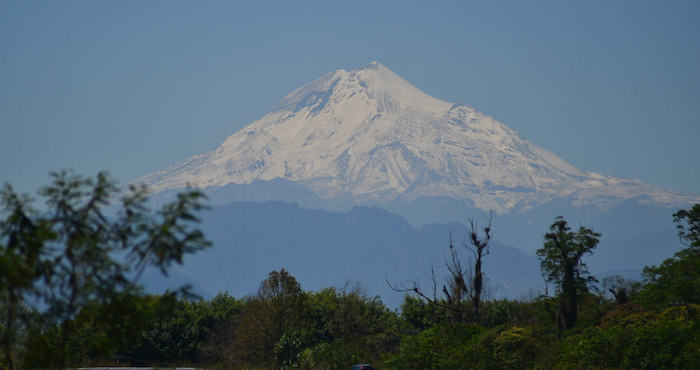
(368, 137)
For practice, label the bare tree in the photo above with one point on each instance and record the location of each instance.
(480, 248)
(622, 289)
(464, 283)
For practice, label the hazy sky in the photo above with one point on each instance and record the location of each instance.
(134, 86)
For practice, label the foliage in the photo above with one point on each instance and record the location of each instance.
(178, 334)
(22, 264)
(418, 314)
(561, 263)
(101, 332)
(443, 346)
(284, 327)
(73, 256)
(637, 339)
(677, 279)
(688, 225)
(278, 307)
(513, 312)
(508, 345)
(354, 326)
(594, 347)
(623, 290)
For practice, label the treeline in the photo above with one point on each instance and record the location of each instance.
(70, 296)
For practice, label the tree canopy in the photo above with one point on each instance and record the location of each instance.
(562, 264)
(75, 253)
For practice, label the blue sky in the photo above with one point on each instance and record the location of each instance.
(132, 87)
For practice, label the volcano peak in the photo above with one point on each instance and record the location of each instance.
(369, 137)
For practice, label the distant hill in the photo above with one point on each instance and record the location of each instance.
(364, 245)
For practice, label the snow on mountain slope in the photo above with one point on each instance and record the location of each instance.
(368, 137)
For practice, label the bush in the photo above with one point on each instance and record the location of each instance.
(444, 346)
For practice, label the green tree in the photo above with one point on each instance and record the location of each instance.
(178, 336)
(443, 346)
(102, 334)
(352, 327)
(676, 280)
(75, 254)
(418, 314)
(595, 347)
(561, 263)
(22, 251)
(278, 307)
(508, 347)
(688, 225)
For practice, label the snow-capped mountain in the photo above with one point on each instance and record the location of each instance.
(368, 137)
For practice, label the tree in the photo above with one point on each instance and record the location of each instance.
(75, 253)
(676, 281)
(622, 289)
(21, 250)
(465, 283)
(561, 263)
(480, 248)
(277, 308)
(179, 331)
(688, 225)
(442, 346)
(351, 327)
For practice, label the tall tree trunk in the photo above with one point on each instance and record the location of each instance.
(9, 337)
(478, 286)
(569, 304)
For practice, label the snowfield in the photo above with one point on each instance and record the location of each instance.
(369, 137)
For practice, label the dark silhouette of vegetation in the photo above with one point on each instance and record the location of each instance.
(622, 289)
(688, 225)
(464, 284)
(69, 296)
(561, 263)
(72, 257)
(676, 281)
(480, 248)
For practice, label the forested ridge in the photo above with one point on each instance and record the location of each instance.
(71, 296)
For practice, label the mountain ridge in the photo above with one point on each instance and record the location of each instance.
(370, 245)
(368, 137)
